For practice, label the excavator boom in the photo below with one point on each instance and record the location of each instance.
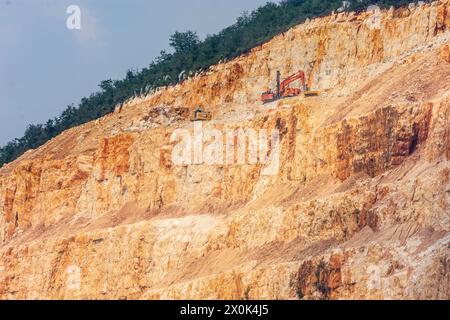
(285, 84)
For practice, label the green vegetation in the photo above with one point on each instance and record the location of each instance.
(190, 55)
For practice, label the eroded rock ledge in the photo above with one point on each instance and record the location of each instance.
(359, 208)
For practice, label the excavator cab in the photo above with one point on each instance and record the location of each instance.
(292, 92)
(268, 96)
(201, 115)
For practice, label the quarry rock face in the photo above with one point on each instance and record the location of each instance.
(357, 208)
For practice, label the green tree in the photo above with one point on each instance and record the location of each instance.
(183, 42)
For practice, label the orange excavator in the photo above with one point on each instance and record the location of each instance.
(283, 87)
